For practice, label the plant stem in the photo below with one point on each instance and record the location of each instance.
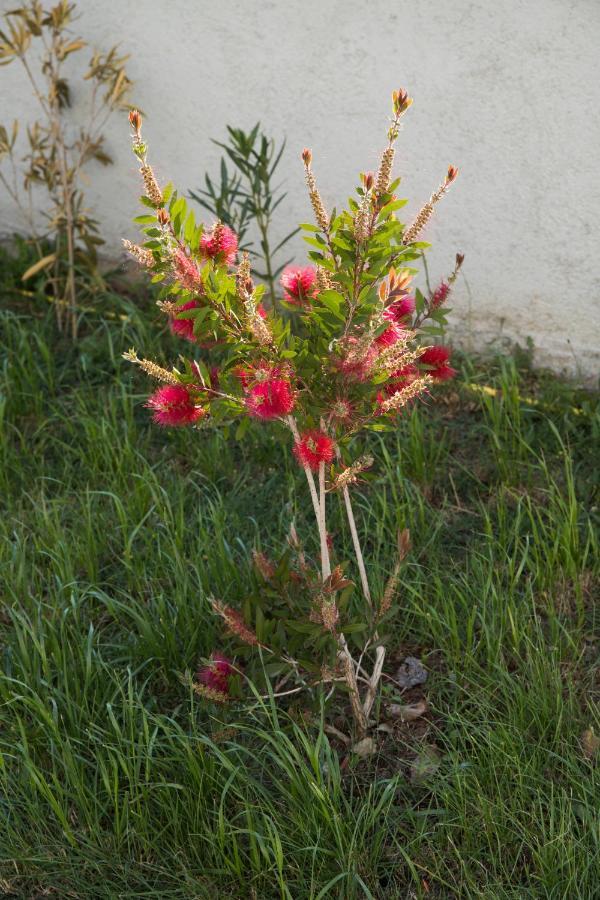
(357, 548)
(344, 654)
(380, 650)
(325, 564)
(309, 475)
(263, 226)
(374, 680)
(356, 542)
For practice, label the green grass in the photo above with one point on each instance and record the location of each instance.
(116, 782)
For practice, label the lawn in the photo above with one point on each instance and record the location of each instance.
(117, 781)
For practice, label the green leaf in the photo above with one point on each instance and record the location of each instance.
(333, 302)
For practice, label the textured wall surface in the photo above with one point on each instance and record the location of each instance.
(507, 90)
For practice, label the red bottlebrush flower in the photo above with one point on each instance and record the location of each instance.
(299, 284)
(173, 406)
(216, 674)
(440, 294)
(437, 358)
(270, 399)
(313, 448)
(186, 271)
(388, 337)
(261, 311)
(220, 244)
(399, 310)
(212, 680)
(184, 327)
(268, 390)
(400, 379)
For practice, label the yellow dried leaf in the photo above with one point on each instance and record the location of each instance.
(42, 263)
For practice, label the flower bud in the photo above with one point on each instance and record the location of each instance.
(306, 156)
(452, 173)
(460, 258)
(401, 101)
(163, 216)
(367, 179)
(135, 120)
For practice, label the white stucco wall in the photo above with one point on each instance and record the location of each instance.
(508, 90)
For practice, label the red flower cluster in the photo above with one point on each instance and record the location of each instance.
(299, 284)
(216, 675)
(220, 244)
(437, 360)
(173, 406)
(184, 327)
(268, 390)
(313, 448)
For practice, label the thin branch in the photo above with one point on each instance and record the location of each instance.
(356, 542)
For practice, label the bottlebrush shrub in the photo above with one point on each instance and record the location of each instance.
(348, 353)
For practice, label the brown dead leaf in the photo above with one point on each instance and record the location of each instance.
(407, 712)
(590, 743)
(365, 747)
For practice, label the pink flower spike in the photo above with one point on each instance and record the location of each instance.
(220, 244)
(186, 271)
(299, 284)
(388, 337)
(184, 327)
(440, 295)
(173, 406)
(398, 310)
(313, 448)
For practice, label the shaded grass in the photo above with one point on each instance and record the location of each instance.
(115, 782)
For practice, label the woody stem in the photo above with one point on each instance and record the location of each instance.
(344, 655)
(356, 543)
